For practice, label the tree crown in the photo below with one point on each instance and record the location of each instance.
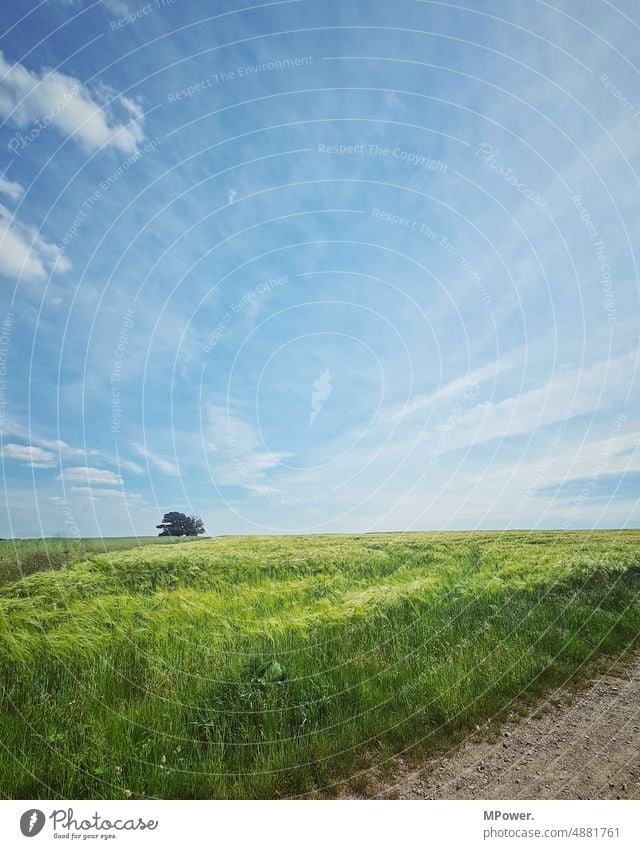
(175, 524)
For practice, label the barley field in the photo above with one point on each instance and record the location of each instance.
(20, 557)
(261, 667)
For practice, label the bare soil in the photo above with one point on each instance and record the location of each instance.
(583, 745)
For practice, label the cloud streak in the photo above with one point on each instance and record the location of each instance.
(29, 455)
(236, 453)
(155, 460)
(90, 476)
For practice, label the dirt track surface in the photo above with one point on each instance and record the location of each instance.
(572, 746)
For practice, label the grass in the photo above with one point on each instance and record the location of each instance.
(21, 557)
(262, 667)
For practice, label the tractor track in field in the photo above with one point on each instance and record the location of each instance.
(572, 745)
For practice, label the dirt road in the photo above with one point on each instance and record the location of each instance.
(573, 746)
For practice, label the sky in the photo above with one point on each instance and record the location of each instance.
(304, 267)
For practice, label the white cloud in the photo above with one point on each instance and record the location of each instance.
(573, 390)
(160, 463)
(90, 476)
(615, 454)
(13, 428)
(24, 252)
(116, 6)
(237, 456)
(66, 451)
(91, 492)
(391, 465)
(131, 466)
(50, 98)
(454, 388)
(30, 455)
(10, 188)
(133, 107)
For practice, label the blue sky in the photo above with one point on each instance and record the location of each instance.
(310, 267)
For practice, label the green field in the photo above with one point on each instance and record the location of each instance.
(20, 557)
(272, 666)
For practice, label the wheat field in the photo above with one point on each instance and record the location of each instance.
(260, 667)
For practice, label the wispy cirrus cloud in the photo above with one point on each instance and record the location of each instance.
(458, 386)
(116, 6)
(615, 455)
(445, 401)
(235, 451)
(92, 492)
(90, 476)
(62, 448)
(155, 460)
(580, 390)
(591, 390)
(608, 485)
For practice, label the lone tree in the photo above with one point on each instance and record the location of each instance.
(176, 524)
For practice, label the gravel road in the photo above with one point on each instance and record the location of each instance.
(583, 745)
